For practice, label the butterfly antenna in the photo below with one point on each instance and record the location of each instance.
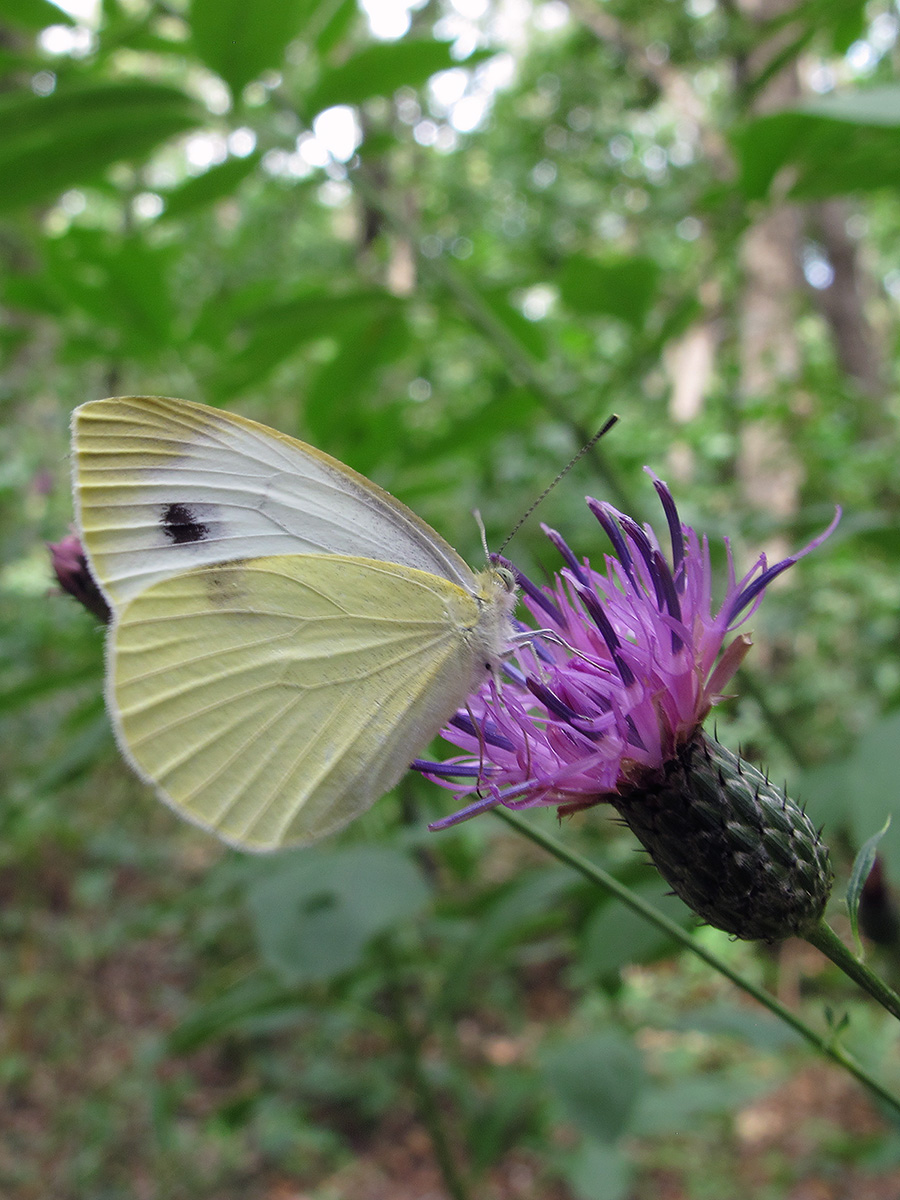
(476, 513)
(604, 428)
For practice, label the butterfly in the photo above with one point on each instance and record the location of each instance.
(286, 636)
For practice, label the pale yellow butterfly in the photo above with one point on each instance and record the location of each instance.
(286, 636)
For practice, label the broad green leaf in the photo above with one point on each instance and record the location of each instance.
(764, 146)
(276, 331)
(32, 15)
(239, 40)
(55, 142)
(214, 184)
(316, 913)
(597, 1081)
(834, 145)
(135, 297)
(229, 309)
(597, 1170)
(509, 407)
(120, 285)
(679, 1106)
(381, 68)
(848, 23)
(623, 287)
(364, 347)
(862, 865)
(332, 22)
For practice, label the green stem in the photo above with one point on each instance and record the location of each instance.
(825, 1045)
(410, 1048)
(825, 939)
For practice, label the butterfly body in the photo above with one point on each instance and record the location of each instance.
(286, 636)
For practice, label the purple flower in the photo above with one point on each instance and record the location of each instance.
(623, 668)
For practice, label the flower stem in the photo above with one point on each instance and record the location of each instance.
(825, 939)
(825, 1045)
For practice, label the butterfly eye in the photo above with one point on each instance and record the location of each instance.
(506, 577)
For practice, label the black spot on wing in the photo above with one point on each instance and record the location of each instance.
(181, 524)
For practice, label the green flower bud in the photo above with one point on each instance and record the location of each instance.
(734, 847)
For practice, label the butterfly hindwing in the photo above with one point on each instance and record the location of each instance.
(274, 699)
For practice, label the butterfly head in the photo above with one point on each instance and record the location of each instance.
(496, 594)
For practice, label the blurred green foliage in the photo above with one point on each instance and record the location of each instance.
(523, 221)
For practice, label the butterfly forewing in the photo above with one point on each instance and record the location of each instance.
(164, 485)
(274, 699)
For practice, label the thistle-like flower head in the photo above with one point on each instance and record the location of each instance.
(625, 666)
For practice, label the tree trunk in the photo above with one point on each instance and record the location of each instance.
(843, 302)
(769, 473)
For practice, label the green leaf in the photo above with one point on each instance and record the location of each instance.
(598, 1171)
(55, 142)
(862, 865)
(214, 184)
(677, 1106)
(315, 915)
(32, 15)
(119, 284)
(228, 309)
(837, 1024)
(276, 331)
(597, 1081)
(333, 21)
(239, 40)
(381, 68)
(364, 347)
(834, 145)
(848, 23)
(622, 287)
